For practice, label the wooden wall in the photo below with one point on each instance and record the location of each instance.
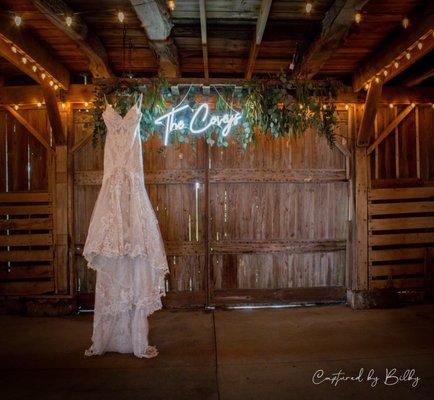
(239, 226)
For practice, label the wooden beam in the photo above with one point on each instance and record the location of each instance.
(33, 131)
(260, 28)
(35, 53)
(395, 48)
(419, 77)
(202, 10)
(366, 129)
(389, 128)
(335, 28)
(54, 115)
(56, 11)
(157, 23)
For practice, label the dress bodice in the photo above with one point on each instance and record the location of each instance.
(123, 150)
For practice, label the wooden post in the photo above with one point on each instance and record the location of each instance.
(366, 128)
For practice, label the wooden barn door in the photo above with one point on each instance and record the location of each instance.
(264, 225)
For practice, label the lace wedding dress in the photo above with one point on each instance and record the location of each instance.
(124, 244)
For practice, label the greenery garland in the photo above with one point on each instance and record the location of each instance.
(283, 107)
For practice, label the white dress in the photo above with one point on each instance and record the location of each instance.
(124, 244)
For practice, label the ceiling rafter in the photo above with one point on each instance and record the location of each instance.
(56, 11)
(260, 28)
(204, 37)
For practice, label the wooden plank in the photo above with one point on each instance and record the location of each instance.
(293, 246)
(396, 270)
(366, 129)
(26, 224)
(26, 255)
(25, 210)
(26, 287)
(25, 197)
(401, 223)
(335, 29)
(157, 23)
(202, 12)
(37, 239)
(401, 193)
(34, 132)
(401, 239)
(87, 41)
(401, 208)
(389, 128)
(27, 272)
(25, 41)
(396, 254)
(278, 296)
(398, 283)
(420, 76)
(395, 46)
(259, 32)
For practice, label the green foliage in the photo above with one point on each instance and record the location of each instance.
(283, 107)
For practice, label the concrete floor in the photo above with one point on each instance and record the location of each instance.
(228, 355)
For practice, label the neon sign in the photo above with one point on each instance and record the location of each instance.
(200, 120)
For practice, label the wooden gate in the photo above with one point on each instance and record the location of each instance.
(264, 225)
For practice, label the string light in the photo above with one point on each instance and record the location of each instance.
(39, 104)
(385, 72)
(16, 106)
(308, 7)
(347, 106)
(357, 17)
(14, 49)
(18, 20)
(391, 105)
(68, 20)
(377, 79)
(86, 104)
(407, 55)
(432, 105)
(63, 105)
(24, 60)
(405, 22)
(171, 5)
(43, 76)
(34, 68)
(121, 17)
(419, 45)
(51, 83)
(56, 87)
(396, 64)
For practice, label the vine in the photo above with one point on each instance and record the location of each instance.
(282, 107)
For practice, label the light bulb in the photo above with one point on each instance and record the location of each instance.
(391, 105)
(301, 106)
(86, 103)
(377, 79)
(16, 106)
(419, 45)
(43, 75)
(68, 20)
(407, 55)
(405, 22)
(171, 5)
(39, 105)
(367, 86)
(357, 17)
(308, 7)
(413, 105)
(18, 20)
(63, 105)
(34, 68)
(291, 66)
(51, 83)
(432, 105)
(396, 64)
(56, 87)
(347, 106)
(121, 16)
(24, 60)
(14, 49)
(385, 72)
(324, 106)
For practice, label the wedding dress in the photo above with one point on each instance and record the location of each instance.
(124, 244)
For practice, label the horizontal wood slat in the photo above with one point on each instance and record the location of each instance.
(401, 223)
(25, 210)
(405, 283)
(25, 197)
(397, 254)
(30, 255)
(41, 239)
(295, 246)
(401, 208)
(27, 224)
(401, 193)
(25, 288)
(395, 270)
(27, 272)
(401, 239)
